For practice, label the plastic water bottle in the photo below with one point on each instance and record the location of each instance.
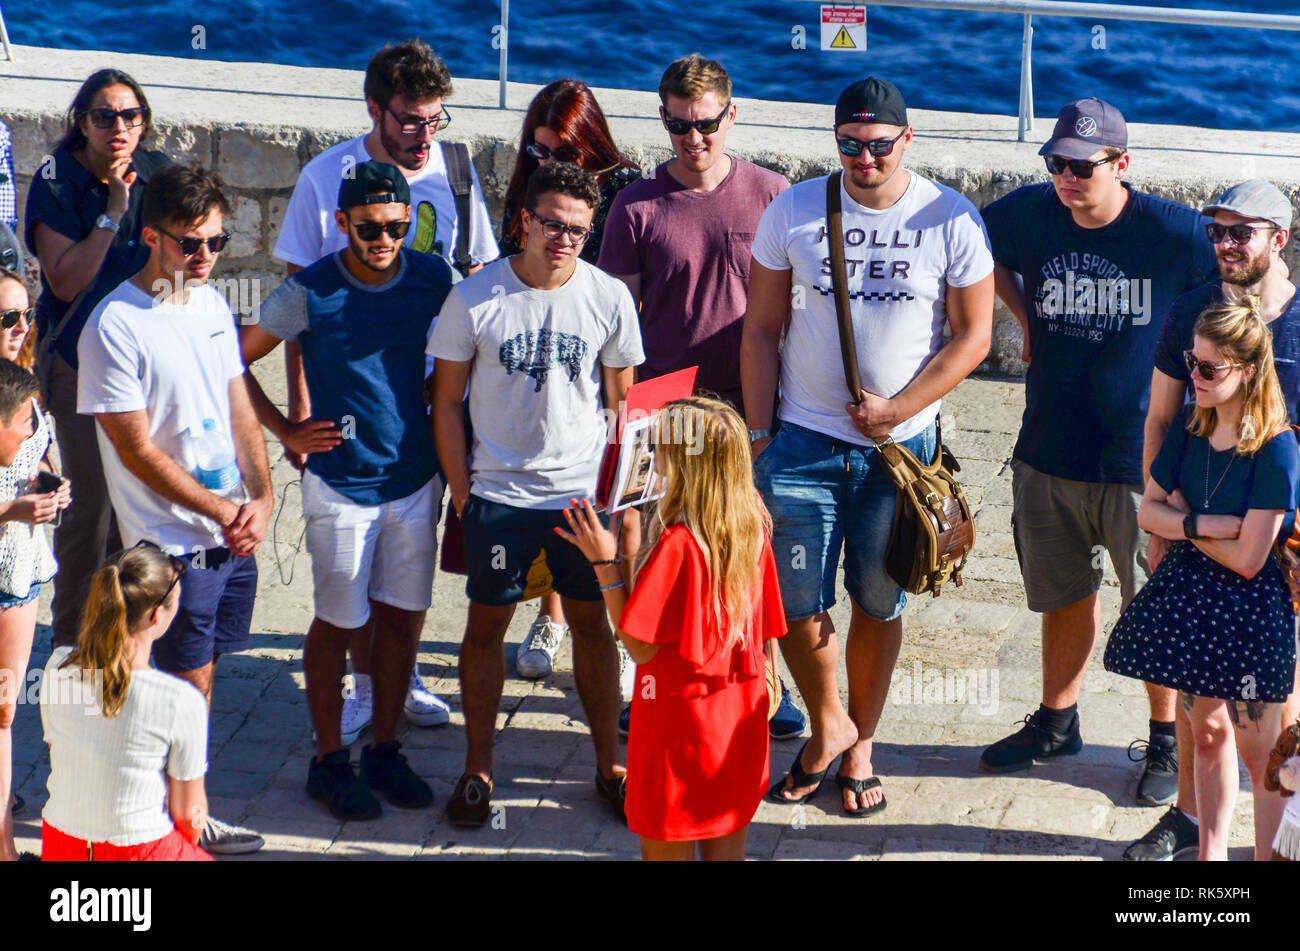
(217, 469)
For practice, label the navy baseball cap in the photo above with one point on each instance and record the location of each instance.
(871, 100)
(1083, 127)
(371, 177)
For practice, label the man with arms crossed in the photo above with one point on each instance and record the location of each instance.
(538, 337)
(916, 258)
(1100, 264)
(363, 318)
(161, 373)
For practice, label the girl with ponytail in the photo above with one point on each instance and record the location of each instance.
(1215, 621)
(128, 744)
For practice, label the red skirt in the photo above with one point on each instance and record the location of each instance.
(57, 846)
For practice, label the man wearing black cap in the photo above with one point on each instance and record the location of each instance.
(363, 317)
(1252, 222)
(1100, 263)
(916, 258)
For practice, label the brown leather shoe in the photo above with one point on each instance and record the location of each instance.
(471, 802)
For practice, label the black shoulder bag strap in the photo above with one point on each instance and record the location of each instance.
(840, 285)
(456, 155)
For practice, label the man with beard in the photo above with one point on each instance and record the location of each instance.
(363, 317)
(1252, 222)
(405, 88)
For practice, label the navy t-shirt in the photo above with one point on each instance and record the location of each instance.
(1096, 297)
(363, 357)
(69, 201)
(1266, 480)
(1177, 337)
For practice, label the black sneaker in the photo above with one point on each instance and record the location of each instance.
(384, 768)
(1032, 742)
(1174, 838)
(625, 721)
(1159, 783)
(333, 783)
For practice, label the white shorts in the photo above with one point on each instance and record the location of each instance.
(364, 552)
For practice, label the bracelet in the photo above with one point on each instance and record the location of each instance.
(608, 561)
(611, 587)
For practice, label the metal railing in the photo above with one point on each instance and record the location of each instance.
(4, 38)
(1027, 9)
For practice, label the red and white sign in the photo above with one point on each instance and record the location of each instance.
(844, 29)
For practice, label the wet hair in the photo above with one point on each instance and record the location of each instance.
(565, 178)
(123, 593)
(693, 77)
(569, 109)
(1238, 332)
(27, 355)
(181, 194)
(411, 70)
(73, 138)
(17, 387)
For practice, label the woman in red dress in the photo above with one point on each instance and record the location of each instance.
(704, 602)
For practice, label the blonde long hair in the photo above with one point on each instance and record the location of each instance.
(702, 450)
(1237, 331)
(122, 593)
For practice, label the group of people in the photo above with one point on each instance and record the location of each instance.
(426, 361)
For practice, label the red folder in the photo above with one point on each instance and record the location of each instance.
(643, 399)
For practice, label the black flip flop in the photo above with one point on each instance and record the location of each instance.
(800, 779)
(858, 787)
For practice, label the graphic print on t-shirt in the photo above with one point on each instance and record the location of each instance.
(536, 352)
(426, 228)
(875, 268)
(1090, 297)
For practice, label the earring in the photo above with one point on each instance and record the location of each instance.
(1248, 430)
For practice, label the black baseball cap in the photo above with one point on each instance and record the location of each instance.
(871, 100)
(1083, 127)
(370, 177)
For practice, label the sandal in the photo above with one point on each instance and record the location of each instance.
(471, 802)
(614, 792)
(800, 779)
(858, 787)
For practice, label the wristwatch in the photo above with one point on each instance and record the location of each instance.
(756, 434)
(1189, 525)
(103, 221)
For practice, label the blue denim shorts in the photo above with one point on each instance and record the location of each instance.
(8, 600)
(825, 493)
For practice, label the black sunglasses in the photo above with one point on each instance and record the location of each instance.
(563, 154)
(371, 230)
(553, 229)
(684, 126)
(1205, 368)
(190, 246)
(877, 147)
(1240, 234)
(1080, 168)
(413, 124)
(10, 317)
(179, 567)
(107, 118)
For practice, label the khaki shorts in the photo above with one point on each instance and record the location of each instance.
(1063, 527)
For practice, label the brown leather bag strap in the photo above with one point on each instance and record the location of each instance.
(840, 285)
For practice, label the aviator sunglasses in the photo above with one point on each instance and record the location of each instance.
(1205, 368)
(190, 246)
(107, 118)
(371, 230)
(1079, 168)
(179, 566)
(1240, 234)
(540, 152)
(9, 318)
(684, 126)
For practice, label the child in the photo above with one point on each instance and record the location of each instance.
(1215, 621)
(704, 604)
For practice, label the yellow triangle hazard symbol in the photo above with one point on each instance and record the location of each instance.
(843, 41)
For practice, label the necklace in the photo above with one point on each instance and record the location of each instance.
(1209, 451)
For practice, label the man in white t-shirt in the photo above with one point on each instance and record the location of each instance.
(183, 452)
(916, 257)
(538, 338)
(405, 87)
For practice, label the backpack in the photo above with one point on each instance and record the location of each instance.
(461, 179)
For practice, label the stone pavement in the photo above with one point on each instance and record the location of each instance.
(969, 669)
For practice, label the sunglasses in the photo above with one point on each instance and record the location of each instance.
(190, 246)
(410, 125)
(371, 230)
(179, 567)
(877, 147)
(563, 154)
(107, 118)
(684, 126)
(1240, 234)
(1079, 168)
(553, 229)
(11, 317)
(1205, 368)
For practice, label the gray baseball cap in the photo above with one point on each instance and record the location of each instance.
(1255, 198)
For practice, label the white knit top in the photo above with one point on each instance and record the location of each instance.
(25, 556)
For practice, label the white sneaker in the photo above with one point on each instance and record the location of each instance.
(222, 838)
(626, 673)
(358, 709)
(536, 655)
(424, 707)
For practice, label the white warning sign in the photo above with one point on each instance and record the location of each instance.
(844, 29)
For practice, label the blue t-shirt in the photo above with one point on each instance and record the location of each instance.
(1177, 337)
(363, 356)
(1096, 297)
(69, 201)
(1266, 480)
